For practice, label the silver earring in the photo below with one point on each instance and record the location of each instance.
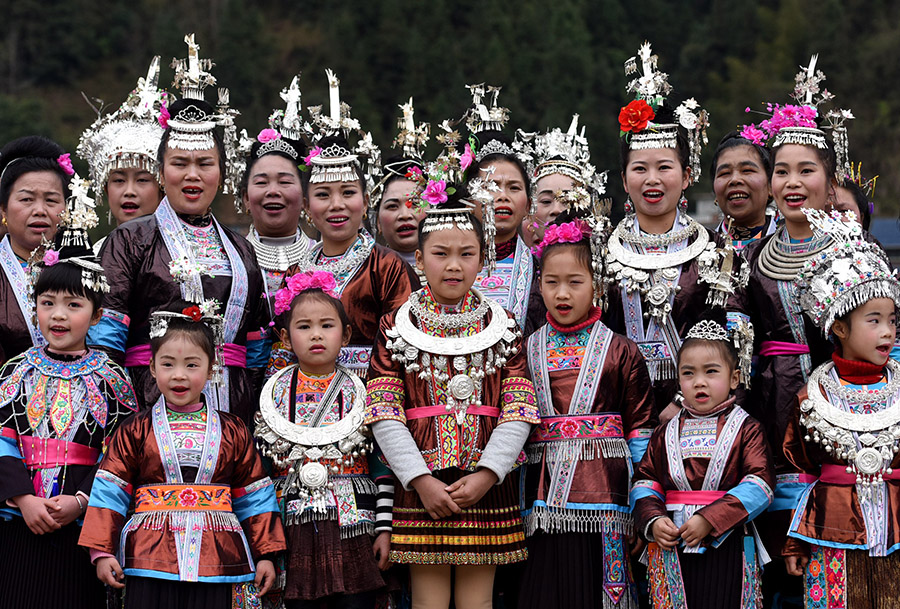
(682, 209)
(629, 206)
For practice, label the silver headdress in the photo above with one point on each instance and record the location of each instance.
(411, 140)
(72, 243)
(845, 275)
(564, 153)
(337, 163)
(739, 332)
(129, 137)
(796, 124)
(480, 118)
(650, 89)
(205, 313)
(193, 124)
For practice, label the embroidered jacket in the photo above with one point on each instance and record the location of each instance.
(57, 413)
(515, 285)
(207, 521)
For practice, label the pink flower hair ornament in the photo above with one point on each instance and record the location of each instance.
(302, 282)
(268, 135)
(569, 232)
(65, 161)
(435, 192)
(51, 257)
(312, 154)
(467, 158)
(783, 117)
(164, 116)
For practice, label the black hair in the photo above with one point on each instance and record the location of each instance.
(196, 332)
(324, 143)
(486, 136)
(581, 249)
(733, 140)
(664, 116)
(297, 145)
(284, 318)
(398, 166)
(725, 348)
(26, 155)
(65, 278)
(861, 200)
(174, 109)
(454, 203)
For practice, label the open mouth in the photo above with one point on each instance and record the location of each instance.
(273, 207)
(737, 197)
(503, 211)
(180, 390)
(564, 309)
(58, 330)
(794, 200)
(652, 196)
(453, 281)
(129, 207)
(701, 396)
(405, 230)
(39, 227)
(337, 220)
(884, 349)
(192, 193)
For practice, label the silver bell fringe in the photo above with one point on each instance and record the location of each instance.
(295, 518)
(584, 450)
(566, 520)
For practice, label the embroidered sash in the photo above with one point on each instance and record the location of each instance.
(659, 343)
(21, 287)
(192, 289)
(563, 457)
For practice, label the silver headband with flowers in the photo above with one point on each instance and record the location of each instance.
(481, 118)
(650, 89)
(336, 163)
(73, 245)
(796, 123)
(206, 313)
(129, 137)
(845, 275)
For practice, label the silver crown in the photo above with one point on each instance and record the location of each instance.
(494, 146)
(278, 145)
(708, 330)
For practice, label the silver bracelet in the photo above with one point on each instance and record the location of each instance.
(80, 504)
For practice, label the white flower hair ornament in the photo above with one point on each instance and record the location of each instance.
(846, 275)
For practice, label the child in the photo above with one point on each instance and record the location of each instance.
(205, 514)
(706, 474)
(593, 391)
(451, 406)
(843, 435)
(59, 405)
(310, 423)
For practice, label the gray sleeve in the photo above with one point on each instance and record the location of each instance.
(504, 447)
(400, 450)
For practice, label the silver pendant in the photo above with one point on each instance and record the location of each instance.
(313, 475)
(869, 461)
(459, 363)
(461, 387)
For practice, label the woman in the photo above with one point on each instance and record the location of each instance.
(850, 196)
(34, 185)
(657, 286)
(741, 171)
(120, 149)
(182, 255)
(396, 219)
(371, 279)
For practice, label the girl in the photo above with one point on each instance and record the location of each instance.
(659, 279)
(741, 171)
(181, 255)
(59, 406)
(371, 280)
(451, 405)
(34, 185)
(596, 404)
(120, 149)
(508, 275)
(205, 514)
(311, 424)
(843, 538)
(706, 474)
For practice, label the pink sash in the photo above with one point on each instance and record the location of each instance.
(439, 410)
(776, 347)
(837, 474)
(50, 452)
(234, 355)
(693, 497)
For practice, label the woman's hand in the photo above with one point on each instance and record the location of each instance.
(695, 530)
(665, 533)
(265, 576)
(796, 565)
(109, 571)
(37, 513)
(382, 548)
(434, 496)
(468, 490)
(67, 509)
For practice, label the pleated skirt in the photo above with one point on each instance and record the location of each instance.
(46, 570)
(715, 579)
(488, 533)
(152, 593)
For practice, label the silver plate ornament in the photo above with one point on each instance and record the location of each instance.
(461, 387)
(313, 475)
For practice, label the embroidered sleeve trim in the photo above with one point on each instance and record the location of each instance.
(385, 398)
(517, 401)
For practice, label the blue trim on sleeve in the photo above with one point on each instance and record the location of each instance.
(642, 492)
(105, 494)
(9, 448)
(828, 544)
(787, 495)
(638, 446)
(752, 497)
(258, 502)
(108, 333)
(258, 352)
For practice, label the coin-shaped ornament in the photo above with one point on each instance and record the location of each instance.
(313, 475)
(461, 387)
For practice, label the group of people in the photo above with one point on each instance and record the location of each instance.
(457, 366)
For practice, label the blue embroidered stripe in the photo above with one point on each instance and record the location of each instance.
(599, 507)
(209, 579)
(9, 448)
(108, 495)
(643, 492)
(109, 333)
(258, 502)
(754, 495)
(638, 446)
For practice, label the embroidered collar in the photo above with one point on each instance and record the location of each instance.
(712, 413)
(65, 366)
(592, 317)
(201, 221)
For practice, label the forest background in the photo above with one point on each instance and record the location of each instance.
(552, 59)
